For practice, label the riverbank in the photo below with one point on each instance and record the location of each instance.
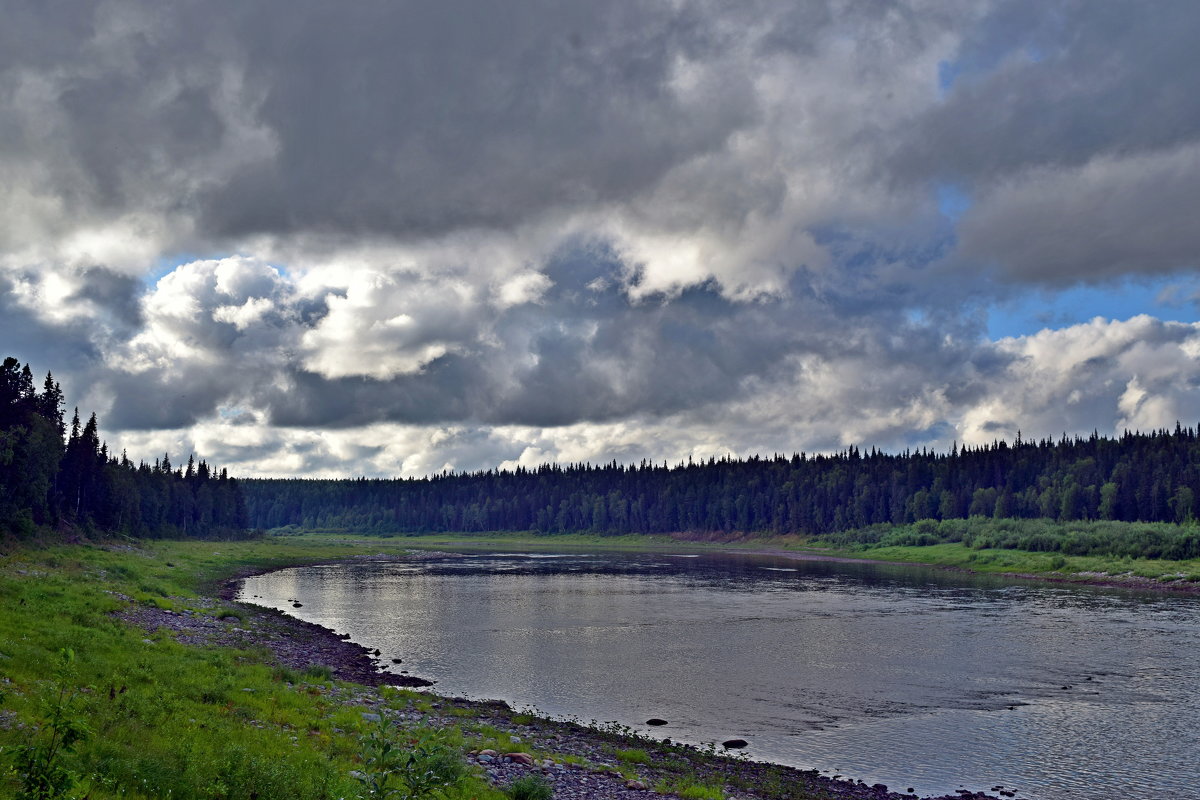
(184, 690)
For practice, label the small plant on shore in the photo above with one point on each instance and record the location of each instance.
(408, 765)
(634, 755)
(41, 765)
(529, 787)
(690, 789)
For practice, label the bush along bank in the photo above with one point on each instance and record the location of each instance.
(124, 673)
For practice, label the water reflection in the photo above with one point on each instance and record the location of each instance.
(908, 676)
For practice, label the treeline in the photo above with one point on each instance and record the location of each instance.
(1136, 477)
(52, 477)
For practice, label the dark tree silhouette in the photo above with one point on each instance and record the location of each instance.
(46, 481)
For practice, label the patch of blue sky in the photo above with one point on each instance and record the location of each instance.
(948, 72)
(952, 201)
(1174, 298)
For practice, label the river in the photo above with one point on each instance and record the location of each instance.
(901, 675)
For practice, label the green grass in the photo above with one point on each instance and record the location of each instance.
(691, 789)
(163, 719)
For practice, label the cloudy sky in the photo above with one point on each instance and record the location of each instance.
(387, 238)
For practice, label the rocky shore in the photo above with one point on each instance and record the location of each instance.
(578, 761)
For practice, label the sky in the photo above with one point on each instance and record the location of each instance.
(393, 238)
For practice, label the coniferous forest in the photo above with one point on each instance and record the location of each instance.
(54, 476)
(1152, 477)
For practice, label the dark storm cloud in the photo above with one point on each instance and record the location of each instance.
(1075, 129)
(1046, 84)
(396, 118)
(420, 119)
(117, 296)
(1111, 218)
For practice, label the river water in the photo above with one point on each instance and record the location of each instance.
(900, 675)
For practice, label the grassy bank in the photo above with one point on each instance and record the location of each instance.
(1096, 550)
(95, 707)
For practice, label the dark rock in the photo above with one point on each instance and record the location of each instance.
(297, 605)
(397, 660)
(406, 680)
(656, 721)
(734, 744)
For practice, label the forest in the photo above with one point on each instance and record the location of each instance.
(1146, 477)
(53, 477)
